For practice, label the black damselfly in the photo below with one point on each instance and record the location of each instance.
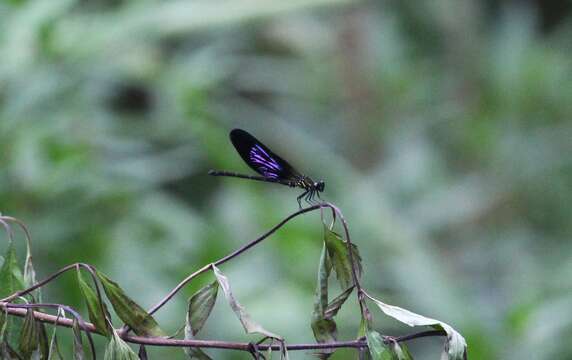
(272, 167)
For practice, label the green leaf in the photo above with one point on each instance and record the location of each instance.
(128, 310)
(7, 352)
(29, 272)
(200, 306)
(30, 336)
(339, 256)
(401, 351)
(335, 305)
(97, 311)
(11, 279)
(78, 353)
(54, 352)
(324, 329)
(377, 348)
(455, 347)
(250, 326)
(44, 349)
(194, 352)
(199, 309)
(117, 349)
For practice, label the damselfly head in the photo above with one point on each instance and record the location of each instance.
(320, 185)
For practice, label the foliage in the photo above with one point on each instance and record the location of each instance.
(442, 128)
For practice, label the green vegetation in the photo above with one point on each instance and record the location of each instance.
(442, 130)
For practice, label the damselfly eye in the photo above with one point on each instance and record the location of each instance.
(320, 185)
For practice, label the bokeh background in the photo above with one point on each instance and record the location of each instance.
(442, 130)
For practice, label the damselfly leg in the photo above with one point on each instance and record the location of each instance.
(299, 198)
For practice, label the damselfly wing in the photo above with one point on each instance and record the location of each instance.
(270, 166)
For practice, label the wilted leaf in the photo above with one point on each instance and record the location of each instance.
(128, 310)
(117, 349)
(335, 305)
(29, 337)
(97, 311)
(200, 306)
(455, 347)
(78, 353)
(340, 258)
(250, 326)
(11, 279)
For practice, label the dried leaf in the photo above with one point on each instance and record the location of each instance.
(455, 347)
(250, 326)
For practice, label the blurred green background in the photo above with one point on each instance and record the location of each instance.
(442, 130)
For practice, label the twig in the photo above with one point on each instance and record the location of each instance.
(230, 256)
(15, 309)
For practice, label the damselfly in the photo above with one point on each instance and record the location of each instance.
(272, 167)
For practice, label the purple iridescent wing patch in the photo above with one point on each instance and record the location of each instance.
(260, 158)
(266, 165)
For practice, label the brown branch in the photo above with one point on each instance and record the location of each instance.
(216, 344)
(40, 283)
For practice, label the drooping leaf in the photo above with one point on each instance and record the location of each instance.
(78, 353)
(128, 310)
(117, 349)
(29, 336)
(339, 256)
(97, 311)
(44, 349)
(11, 279)
(455, 347)
(335, 305)
(54, 352)
(199, 309)
(200, 306)
(194, 352)
(401, 351)
(250, 326)
(377, 348)
(30, 274)
(324, 329)
(7, 352)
